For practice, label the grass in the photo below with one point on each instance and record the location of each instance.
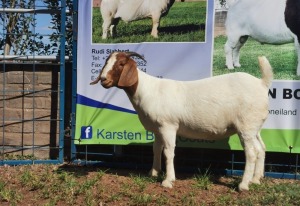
(283, 59)
(76, 185)
(203, 181)
(185, 22)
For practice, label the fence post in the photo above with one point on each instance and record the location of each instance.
(62, 81)
(74, 78)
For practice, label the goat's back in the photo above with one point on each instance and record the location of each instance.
(131, 10)
(225, 105)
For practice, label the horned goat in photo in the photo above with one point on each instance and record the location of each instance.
(264, 21)
(211, 109)
(130, 10)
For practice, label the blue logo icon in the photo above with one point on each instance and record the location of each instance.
(86, 132)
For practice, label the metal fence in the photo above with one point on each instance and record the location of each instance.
(32, 84)
(221, 162)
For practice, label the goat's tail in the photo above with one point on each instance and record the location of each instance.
(266, 71)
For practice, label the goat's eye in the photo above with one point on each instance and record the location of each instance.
(121, 64)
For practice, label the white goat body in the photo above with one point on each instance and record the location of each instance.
(263, 20)
(194, 108)
(130, 10)
(211, 108)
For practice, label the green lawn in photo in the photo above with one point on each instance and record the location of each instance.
(283, 59)
(185, 22)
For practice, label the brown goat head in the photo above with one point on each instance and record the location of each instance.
(119, 70)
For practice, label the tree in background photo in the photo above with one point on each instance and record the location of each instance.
(20, 31)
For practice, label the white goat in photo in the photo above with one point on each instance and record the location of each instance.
(130, 10)
(263, 20)
(292, 20)
(212, 109)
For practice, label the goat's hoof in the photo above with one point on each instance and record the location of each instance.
(153, 173)
(154, 35)
(229, 67)
(256, 181)
(237, 65)
(167, 184)
(243, 187)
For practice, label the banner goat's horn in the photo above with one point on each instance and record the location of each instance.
(135, 54)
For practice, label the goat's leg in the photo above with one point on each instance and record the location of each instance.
(260, 161)
(236, 51)
(112, 30)
(169, 155)
(113, 27)
(169, 139)
(157, 151)
(297, 46)
(155, 25)
(232, 50)
(229, 46)
(106, 27)
(251, 157)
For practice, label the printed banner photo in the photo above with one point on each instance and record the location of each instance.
(186, 47)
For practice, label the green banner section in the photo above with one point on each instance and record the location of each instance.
(276, 140)
(109, 127)
(105, 126)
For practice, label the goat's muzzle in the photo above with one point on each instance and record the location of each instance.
(106, 83)
(95, 81)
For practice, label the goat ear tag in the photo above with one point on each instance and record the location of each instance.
(128, 76)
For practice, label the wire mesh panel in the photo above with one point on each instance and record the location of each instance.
(32, 81)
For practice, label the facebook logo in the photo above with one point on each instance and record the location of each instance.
(86, 132)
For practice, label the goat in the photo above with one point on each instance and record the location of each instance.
(211, 109)
(264, 21)
(114, 10)
(292, 20)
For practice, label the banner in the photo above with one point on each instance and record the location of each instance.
(184, 50)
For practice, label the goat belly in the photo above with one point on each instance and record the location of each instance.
(131, 11)
(206, 134)
(273, 38)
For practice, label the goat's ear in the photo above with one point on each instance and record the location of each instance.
(129, 75)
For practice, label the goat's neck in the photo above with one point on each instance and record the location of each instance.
(141, 89)
(130, 91)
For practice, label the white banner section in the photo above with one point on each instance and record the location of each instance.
(284, 105)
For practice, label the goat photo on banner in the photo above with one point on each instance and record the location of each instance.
(135, 21)
(269, 28)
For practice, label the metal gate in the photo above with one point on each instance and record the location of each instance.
(32, 82)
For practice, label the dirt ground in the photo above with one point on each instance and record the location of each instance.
(81, 185)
